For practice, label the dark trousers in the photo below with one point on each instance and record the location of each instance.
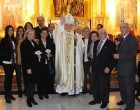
(18, 77)
(42, 80)
(30, 88)
(101, 87)
(127, 89)
(51, 78)
(8, 70)
(86, 72)
(29, 80)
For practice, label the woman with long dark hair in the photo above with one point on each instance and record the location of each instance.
(93, 36)
(8, 60)
(28, 25)
(19, 39)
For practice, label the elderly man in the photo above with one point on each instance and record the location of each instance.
(103, 64)
(127, 51)
(64, 57)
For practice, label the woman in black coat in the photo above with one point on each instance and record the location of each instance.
(8, 60)
(44, 53)
(28, 60)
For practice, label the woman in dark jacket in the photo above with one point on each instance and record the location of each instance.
(8, 60)
(44, 53)
(28, 59)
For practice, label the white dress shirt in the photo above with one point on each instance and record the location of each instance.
(103, 42)
(85, 54)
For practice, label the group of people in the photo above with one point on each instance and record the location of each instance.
(44, 54)
(30, 53)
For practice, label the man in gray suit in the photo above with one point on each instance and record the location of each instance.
(126, 67)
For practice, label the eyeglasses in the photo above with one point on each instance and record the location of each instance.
(101, 33)
(40, 20)
(20, 31)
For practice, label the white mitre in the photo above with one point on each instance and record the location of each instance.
(69, 19)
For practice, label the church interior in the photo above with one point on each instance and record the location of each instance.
(109, 13)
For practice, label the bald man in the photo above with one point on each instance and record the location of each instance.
(126, 67)
(103, 63)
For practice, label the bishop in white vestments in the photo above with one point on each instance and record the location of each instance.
(64, 57)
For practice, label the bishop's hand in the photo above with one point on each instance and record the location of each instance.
(62, 20)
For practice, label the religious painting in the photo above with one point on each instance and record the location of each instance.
(58, 7)
(76, 7)
(11, 12)
(126, 11)
(84, 23)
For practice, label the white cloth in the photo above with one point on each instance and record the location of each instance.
(69, 19)
(64, 61)
(85, 54)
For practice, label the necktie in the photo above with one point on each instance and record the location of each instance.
(99, 47)
(121, 41)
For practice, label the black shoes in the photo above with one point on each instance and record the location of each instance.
(41, 97)
(103, 105)
(11, 97)
(63, 94)
(7, 99)
(46, 96)
(120, 103)
(34, 102)
(20, 94)
(29, 104)
(93, 102)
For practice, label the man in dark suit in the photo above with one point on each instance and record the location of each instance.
(126, 55)
(41, 24)
(103, 64)
(51, 27)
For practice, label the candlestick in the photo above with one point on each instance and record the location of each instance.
(98, 7)
(122, 14)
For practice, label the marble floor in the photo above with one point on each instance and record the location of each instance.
(57, 102)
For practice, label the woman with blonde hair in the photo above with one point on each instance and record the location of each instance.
(28, 64)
